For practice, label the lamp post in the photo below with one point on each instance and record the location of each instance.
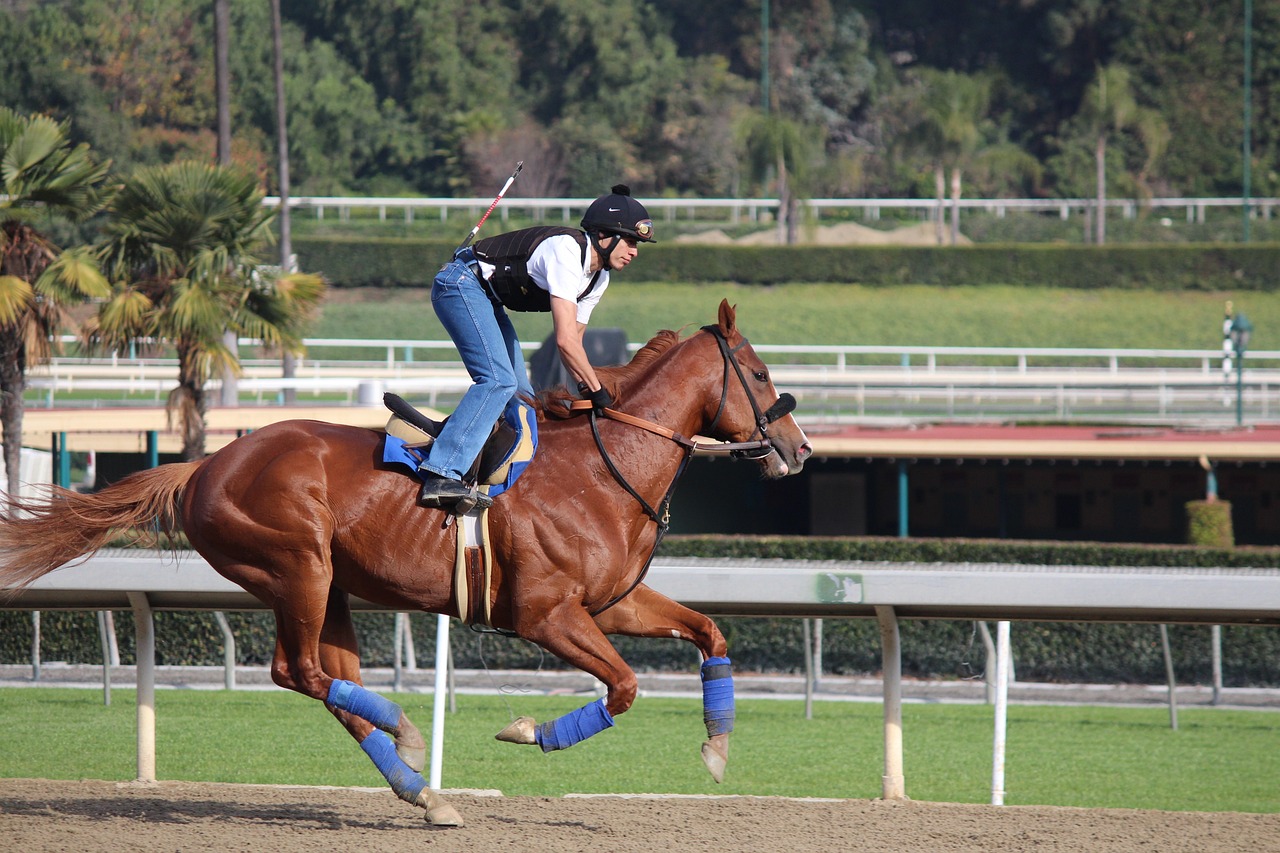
(1240, 329)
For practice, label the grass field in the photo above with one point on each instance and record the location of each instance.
(1218, 760)
(914, 315)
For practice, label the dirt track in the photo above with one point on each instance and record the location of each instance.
(38, 815)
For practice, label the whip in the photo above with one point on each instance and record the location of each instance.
(511, 180)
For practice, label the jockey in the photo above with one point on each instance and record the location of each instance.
(545, 268)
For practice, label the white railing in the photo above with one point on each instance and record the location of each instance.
(749, 209)
(832, 382)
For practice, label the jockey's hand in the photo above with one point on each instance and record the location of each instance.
(601, 399)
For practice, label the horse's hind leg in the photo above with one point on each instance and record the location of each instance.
(402, 765)
(645, 613)
(302, 663)
(340, 659)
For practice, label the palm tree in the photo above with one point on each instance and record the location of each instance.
(776, 146)
(1109, 105)
(949, 130)
(179, 249)
(39, 170)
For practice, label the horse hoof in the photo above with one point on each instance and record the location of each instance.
(414, 756)
(410, 746)
(444, 815)
(521, 731)
(715, 760)
(439, 812)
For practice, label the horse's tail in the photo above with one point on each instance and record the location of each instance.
(40, 534)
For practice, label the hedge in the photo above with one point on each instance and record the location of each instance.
(1054, 652)
(387, 262)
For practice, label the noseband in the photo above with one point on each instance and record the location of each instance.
(753, 449)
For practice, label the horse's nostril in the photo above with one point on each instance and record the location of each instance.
(805, 450)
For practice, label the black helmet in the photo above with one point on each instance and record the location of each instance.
(619, 214)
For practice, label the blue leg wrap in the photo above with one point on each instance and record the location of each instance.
(574, 727)
(403, 780)
(365, 704)
(717, 696)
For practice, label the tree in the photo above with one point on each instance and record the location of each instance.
(948, 128)
(179, 249)
(39, 169)
(787, 151)
(1110, 106)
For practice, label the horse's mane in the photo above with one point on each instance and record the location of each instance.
(553, 401)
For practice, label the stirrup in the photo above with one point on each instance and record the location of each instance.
(453, 495)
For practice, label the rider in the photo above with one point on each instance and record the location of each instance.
(545, 268)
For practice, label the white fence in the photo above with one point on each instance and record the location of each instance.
(832, 383)
(735, 210)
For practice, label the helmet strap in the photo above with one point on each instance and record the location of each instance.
(604, 251)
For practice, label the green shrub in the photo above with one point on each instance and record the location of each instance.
(1209, 524)
(387, 262)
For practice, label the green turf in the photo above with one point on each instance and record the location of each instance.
(913, 315)
(1218, 760)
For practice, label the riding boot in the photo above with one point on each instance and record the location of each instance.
(454, 495)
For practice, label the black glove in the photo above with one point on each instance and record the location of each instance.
(601, 399)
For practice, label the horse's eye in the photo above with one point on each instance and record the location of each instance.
(761, 376)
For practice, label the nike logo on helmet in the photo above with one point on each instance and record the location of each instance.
(615, 210)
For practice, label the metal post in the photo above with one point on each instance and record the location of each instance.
(153, 449)
(808, 668)
(893, 783)
(903, 494)
(1215, 641)
(35, 645)
(1002, 713)
(1239, 389)
(1168, 674)
(989, 671)
(106, 658)
(397, 645)
(228, 651)
(1247, 165)
(144, 626)
(437, 716)
(64, 462)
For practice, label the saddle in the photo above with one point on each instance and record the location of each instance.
(505, 446)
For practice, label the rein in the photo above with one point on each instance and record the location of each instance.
(757, 449)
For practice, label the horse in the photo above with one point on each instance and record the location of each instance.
(304, 514)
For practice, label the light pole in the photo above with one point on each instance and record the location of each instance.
(1240, 329)
(1247, 162)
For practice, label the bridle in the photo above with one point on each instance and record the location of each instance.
(752, 449)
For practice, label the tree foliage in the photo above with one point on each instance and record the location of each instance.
(41, 173)
(442, 96)
(179, 248)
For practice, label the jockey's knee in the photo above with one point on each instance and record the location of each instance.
(501, 386)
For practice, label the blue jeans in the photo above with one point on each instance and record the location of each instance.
(487, 342)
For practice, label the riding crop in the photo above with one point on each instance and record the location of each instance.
(511, 180)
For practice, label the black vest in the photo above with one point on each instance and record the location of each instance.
(509, 254)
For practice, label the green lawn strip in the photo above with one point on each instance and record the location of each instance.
(912, 315)
(1088, 756)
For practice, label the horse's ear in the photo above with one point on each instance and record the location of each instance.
(727, 317)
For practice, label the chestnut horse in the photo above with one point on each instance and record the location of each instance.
(303, 514)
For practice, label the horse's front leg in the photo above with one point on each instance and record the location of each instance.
(569, 633)
(645, 613)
